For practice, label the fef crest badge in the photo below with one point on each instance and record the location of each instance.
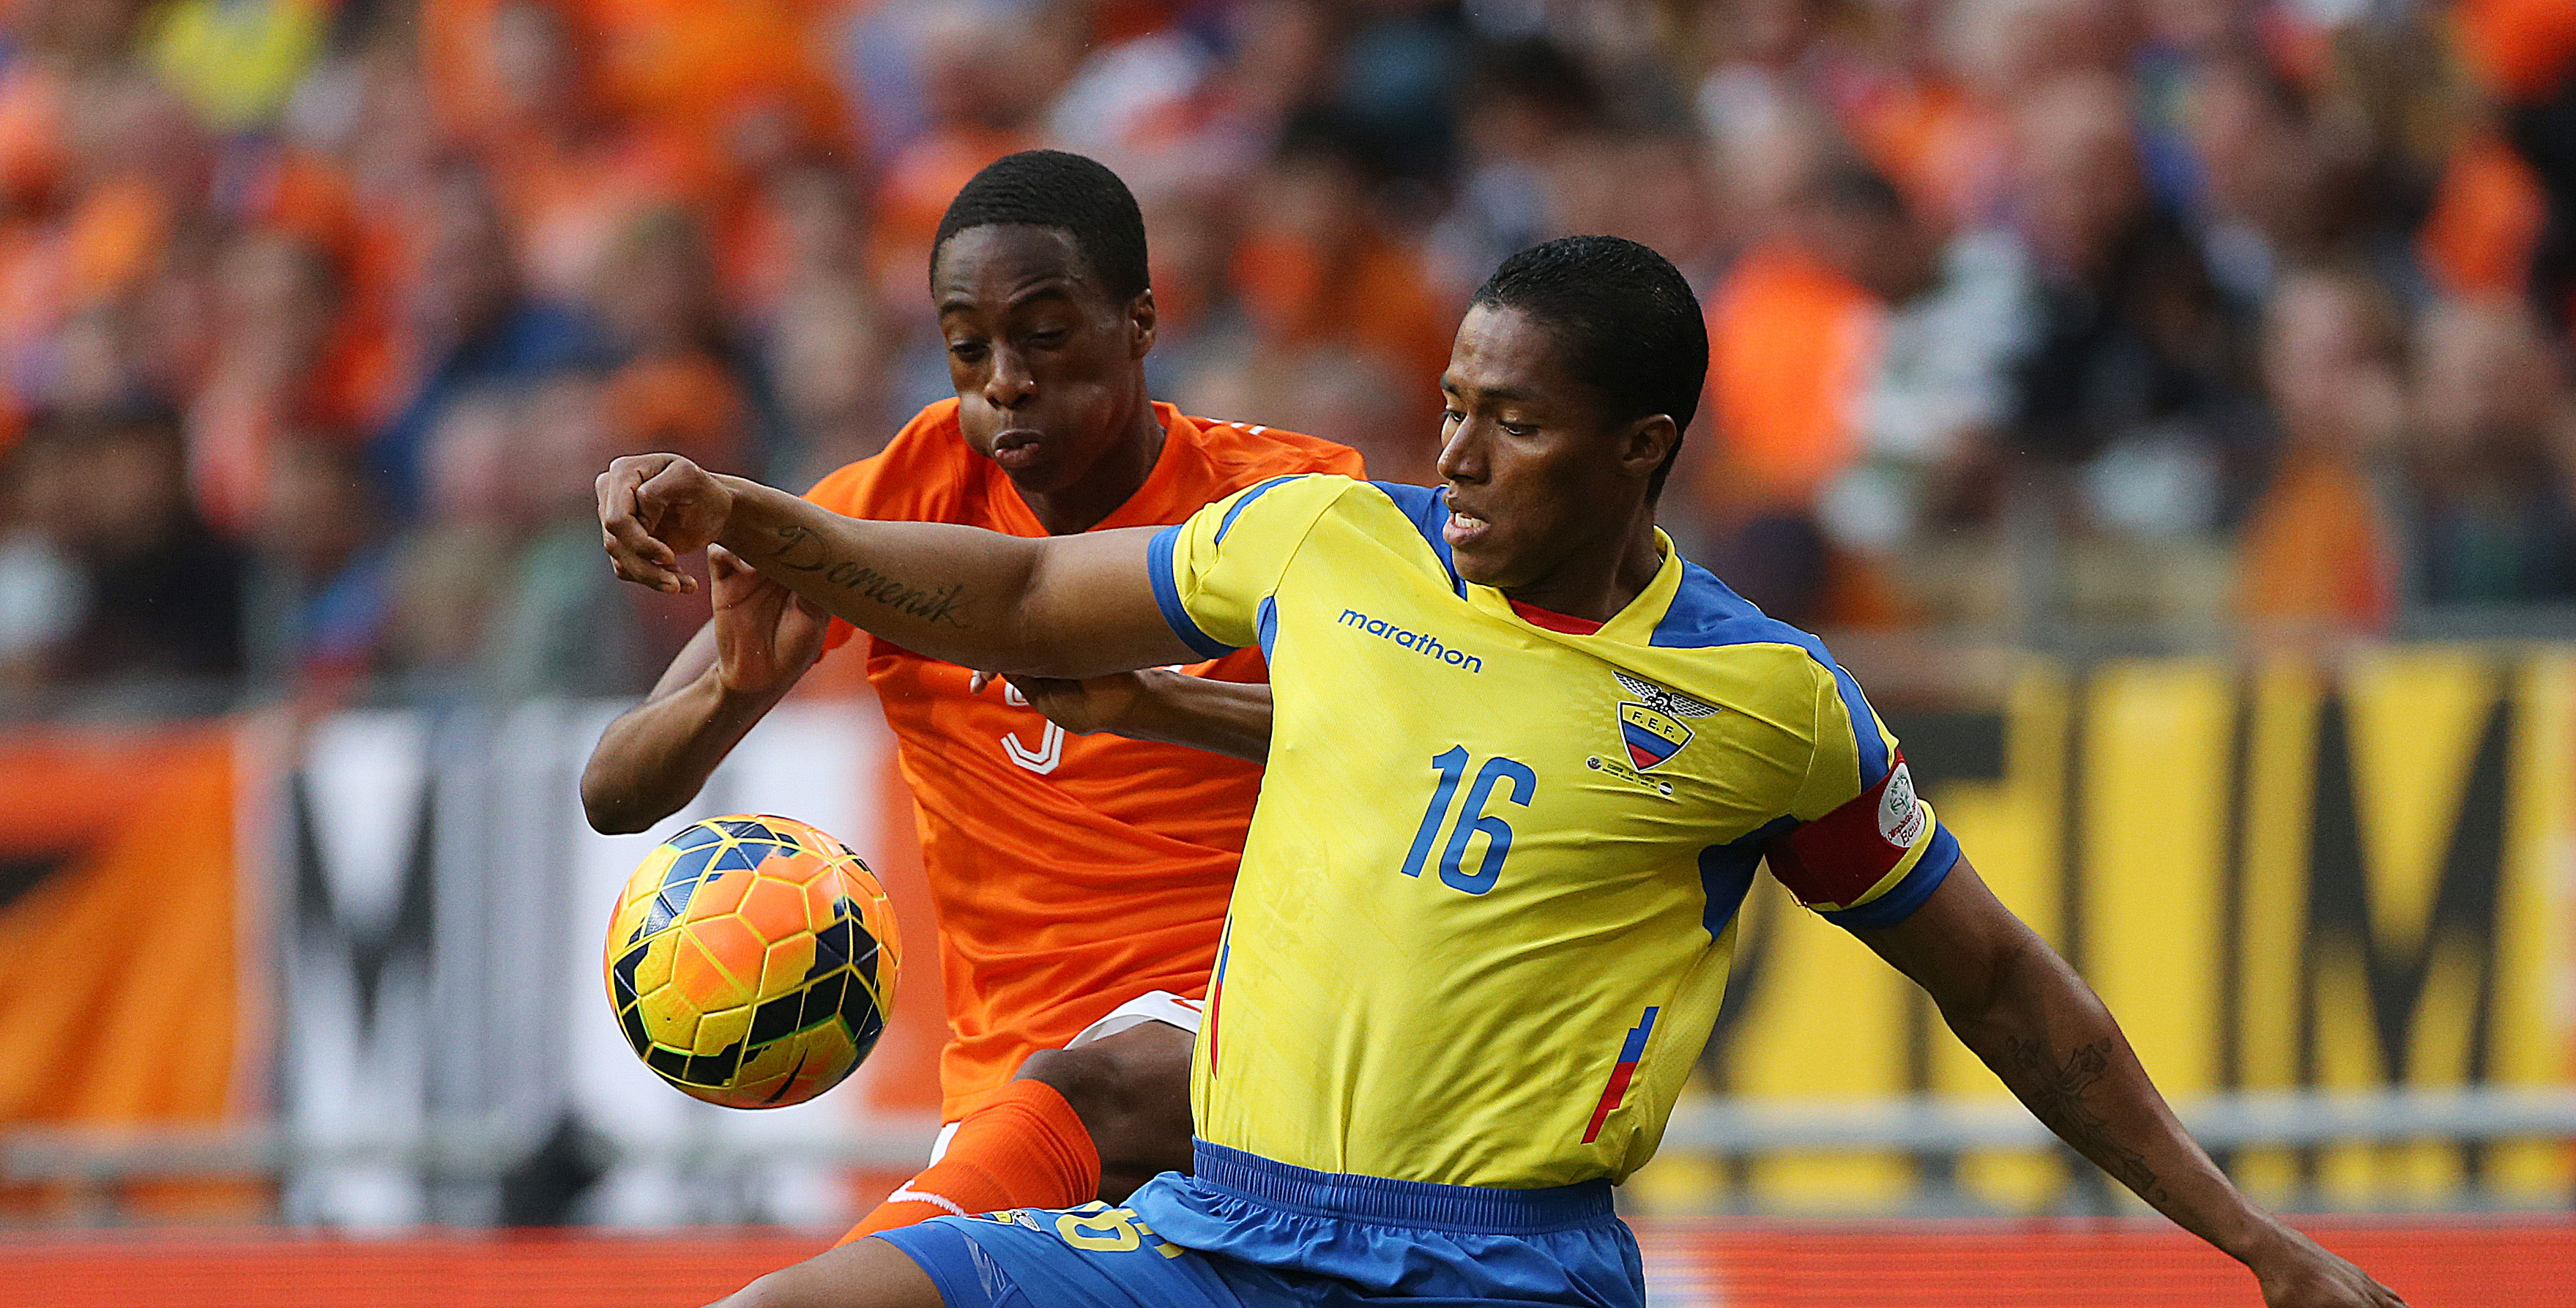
(1652, 725)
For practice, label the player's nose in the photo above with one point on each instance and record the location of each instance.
(1010, 383)
(1462, 454)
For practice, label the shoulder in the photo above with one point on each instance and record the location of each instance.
(1707, 615)
(1775, 664)
(1363, 524)
(1274, 517)
(1298, 494)
(925, 461)
(932, 435)
(1243, 453)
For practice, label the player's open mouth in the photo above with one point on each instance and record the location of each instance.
(1462, 528)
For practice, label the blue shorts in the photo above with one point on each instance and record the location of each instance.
(1246, 1232)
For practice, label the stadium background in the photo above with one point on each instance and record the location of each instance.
(2163, 405)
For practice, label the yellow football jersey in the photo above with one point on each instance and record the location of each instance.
(1488, 898)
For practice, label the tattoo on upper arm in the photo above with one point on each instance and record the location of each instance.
(923, 602)
(2055, 1094)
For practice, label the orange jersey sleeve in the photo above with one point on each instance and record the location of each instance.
(1069, 873)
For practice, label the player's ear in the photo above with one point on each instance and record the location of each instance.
(1141, 321)
(1645, 442)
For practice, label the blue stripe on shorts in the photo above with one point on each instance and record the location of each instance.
(1094, 1256)
(1247, 1232)
(1324, 1237)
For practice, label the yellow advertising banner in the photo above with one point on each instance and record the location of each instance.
(2279, 876)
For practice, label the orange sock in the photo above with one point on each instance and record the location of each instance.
(1025, 1148)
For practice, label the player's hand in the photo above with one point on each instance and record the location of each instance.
(2301, 1274)
(653, 508)
(1082, 707)
(766, 634)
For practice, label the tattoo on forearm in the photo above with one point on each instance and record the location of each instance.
(926, 603)
(2055, 1094)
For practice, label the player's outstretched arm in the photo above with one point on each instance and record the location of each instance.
(657, 756)
(1060, 606)
(2021, 1008)
(1221, 717)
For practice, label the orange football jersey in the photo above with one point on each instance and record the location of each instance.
(1070, 873)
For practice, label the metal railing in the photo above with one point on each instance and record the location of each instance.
(93, 1163)
(2247, 1119)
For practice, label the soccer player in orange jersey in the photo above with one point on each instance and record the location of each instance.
(1080, 880)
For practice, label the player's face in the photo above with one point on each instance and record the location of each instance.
(1536, 471)
(1048, 369)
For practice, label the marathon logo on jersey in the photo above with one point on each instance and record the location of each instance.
(1420, 642)
(1651, 725)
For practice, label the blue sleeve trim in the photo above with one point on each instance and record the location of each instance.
(1265, 620)
(1167, 596)
(1905, 896)
(1864, 725)
(1426, 507)
(948, 1256)
(1226, 523)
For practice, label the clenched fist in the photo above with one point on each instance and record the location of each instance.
(654, 508)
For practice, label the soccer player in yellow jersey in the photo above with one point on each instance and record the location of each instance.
(1525, 761)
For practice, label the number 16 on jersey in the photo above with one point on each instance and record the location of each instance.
(1451, 765)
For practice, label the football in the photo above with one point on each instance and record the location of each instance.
(752, 960)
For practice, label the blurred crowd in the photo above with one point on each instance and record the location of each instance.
(317, 316)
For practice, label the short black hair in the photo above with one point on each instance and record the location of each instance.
(1626, 318)
(1073, 194)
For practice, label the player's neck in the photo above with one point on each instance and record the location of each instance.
(1113, 479)
(1598, 580)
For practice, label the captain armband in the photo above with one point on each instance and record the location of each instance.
(1836, 861)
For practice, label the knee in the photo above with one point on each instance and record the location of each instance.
(861, 1274)
(766, 1292)
(1132, 1092)
(793, 1287)
(1093, 1082)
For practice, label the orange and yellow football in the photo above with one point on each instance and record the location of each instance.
(752, 961)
